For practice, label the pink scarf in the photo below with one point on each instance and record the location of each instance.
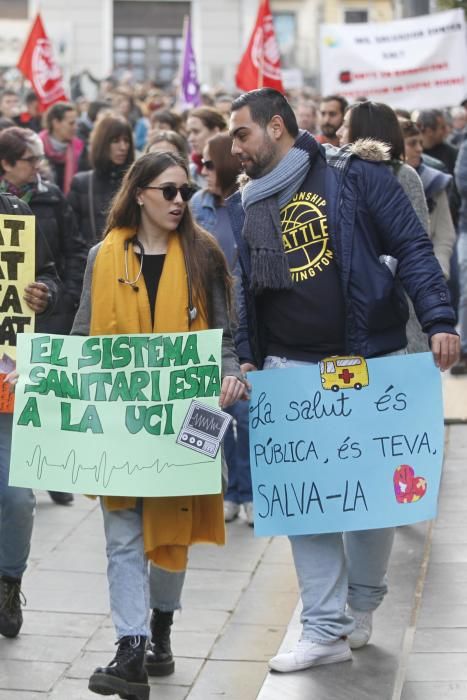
(70, 156)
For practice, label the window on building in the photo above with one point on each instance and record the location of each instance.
(14, 9)
(351, 16)
(169, 51)
(130, 55)
(412, 8)
(155, 58)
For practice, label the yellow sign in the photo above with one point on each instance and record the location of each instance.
(17, 270)
(344, 372)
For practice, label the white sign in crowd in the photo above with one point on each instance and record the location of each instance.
(419, 62)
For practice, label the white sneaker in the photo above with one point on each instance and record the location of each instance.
(249, 513)
(308, 653)
(231, 510)
(363, 627)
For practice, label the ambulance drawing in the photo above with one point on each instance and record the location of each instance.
(344, 372)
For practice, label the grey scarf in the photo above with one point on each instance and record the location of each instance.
(262, 200)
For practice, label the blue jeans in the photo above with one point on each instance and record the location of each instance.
(16, 511)
(237, 455)
(334, 569)
(134, 586)
(462, 258)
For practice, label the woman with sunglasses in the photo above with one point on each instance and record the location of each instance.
(202, 123)
(152, 246)
(21, 155)
(220, 170)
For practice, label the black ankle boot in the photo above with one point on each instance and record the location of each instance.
(159, 659)
(11, 617)
(61, 498)
(125, 675)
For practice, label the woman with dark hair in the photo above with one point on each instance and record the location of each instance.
(221, 170)
(91, 192)
(65, 152)
(160, 120)
(202, 123)
(166, 120)
(168, 142)
(377, 121)
(184, 284)
(436, 185)
(372, 132)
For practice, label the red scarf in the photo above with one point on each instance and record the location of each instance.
(69, 156)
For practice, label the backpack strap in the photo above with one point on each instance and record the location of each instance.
(92, 214)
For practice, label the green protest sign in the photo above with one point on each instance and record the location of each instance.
(133, 415)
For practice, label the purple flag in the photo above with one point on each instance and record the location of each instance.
(190, 95)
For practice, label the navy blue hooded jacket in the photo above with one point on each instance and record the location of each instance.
(369, 215)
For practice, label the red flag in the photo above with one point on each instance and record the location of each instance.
(37, 63)
(261, 63)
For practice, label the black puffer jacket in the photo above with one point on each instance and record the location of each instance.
(55, 219)
(99, 188)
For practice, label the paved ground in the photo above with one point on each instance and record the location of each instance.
(238, 602)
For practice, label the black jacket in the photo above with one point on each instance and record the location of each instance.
(99, 188)
(55, 219)
(45, 267)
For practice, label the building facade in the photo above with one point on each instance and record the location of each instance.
(143, 38)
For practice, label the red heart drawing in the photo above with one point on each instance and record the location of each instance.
(408, 488)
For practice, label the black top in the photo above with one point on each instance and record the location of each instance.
(104, 187)
(152, 271)
(307, 322)
(446, 153)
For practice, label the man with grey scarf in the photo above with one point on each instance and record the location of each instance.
(311, 235)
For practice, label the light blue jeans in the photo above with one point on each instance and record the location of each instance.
(16, 511)
(334, 568)
(134, 586)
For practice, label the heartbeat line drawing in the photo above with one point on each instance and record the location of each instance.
(102, 468)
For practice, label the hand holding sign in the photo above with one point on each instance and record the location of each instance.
(101, 415)
(36, 296)
(232, 390)
(347, 444)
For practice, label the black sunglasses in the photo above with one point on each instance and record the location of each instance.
(169, 192)
(208, 164)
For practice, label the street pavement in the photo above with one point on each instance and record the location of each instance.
(239, 602)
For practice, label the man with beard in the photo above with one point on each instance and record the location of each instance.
(313, 286)
(331, 115)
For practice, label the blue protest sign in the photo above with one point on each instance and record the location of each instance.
(346, 444)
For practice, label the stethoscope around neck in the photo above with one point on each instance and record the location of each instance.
(192, 310)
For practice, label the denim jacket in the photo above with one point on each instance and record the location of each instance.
(206, 213)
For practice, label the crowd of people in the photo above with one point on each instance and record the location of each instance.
(192, 204)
